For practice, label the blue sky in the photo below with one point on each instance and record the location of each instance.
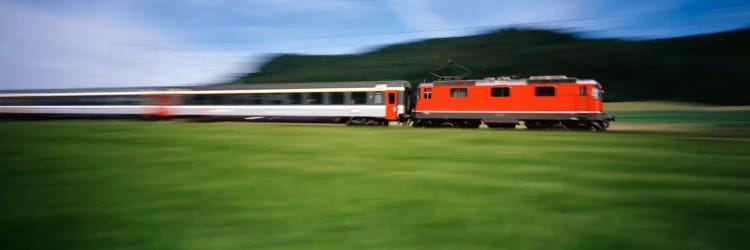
(76, 43)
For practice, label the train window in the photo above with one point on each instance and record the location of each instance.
(596, 93)
(459, 92)
(336, 97)
(17, 101)
(170, 99)
(64, 100)
(217, 99)
(234, 100)
(204, 99)
(207, 99)
(583, 91)
(428, 93)
(87, 100)
(391, 98)
(545, 91)
(378, 99)
(253, 99)
(71, 100)
(359, 98)
(295, 98)
(112, 100)
(501, 92)
(199, 99)
(246, 99)
(266, 99)
(220, 99)
(314, 98)
(276, 99)
(12, 101)
(189, 99)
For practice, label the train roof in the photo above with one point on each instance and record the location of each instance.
(489, 81)
(313, 85)
(215, 88)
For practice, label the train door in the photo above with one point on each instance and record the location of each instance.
(391, 105)
(582, 100)
(158, 105)
(150, 107)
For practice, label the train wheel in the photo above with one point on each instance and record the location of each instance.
(427, 123)
(447, 124)
(341, 120)
(539, 124)
(353, 122)
(375, 122)
(600, 126)
(418, 124)
(501, 125)
(577, 125)
(424, 123)
(467, 123)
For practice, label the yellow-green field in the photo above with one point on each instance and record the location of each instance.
(680, 118)
(172, 185)
(667, 106)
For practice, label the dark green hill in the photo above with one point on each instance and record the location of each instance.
(713, 68)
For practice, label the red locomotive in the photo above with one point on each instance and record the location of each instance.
(539, 102)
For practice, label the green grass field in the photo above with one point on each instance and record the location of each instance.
(172, 185)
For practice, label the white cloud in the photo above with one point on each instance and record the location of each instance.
(42, 49)
(282, 8)
(605, 18)
(277, 7)
(420, 15)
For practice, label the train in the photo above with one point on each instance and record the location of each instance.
(536, 102)
(540, 102)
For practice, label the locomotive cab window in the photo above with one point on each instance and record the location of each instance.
(459, 92)
(583, 90)
(545, 91)
(427, 93)
(501, 92)
(596, 92)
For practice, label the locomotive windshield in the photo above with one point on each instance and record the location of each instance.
(596, 93)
